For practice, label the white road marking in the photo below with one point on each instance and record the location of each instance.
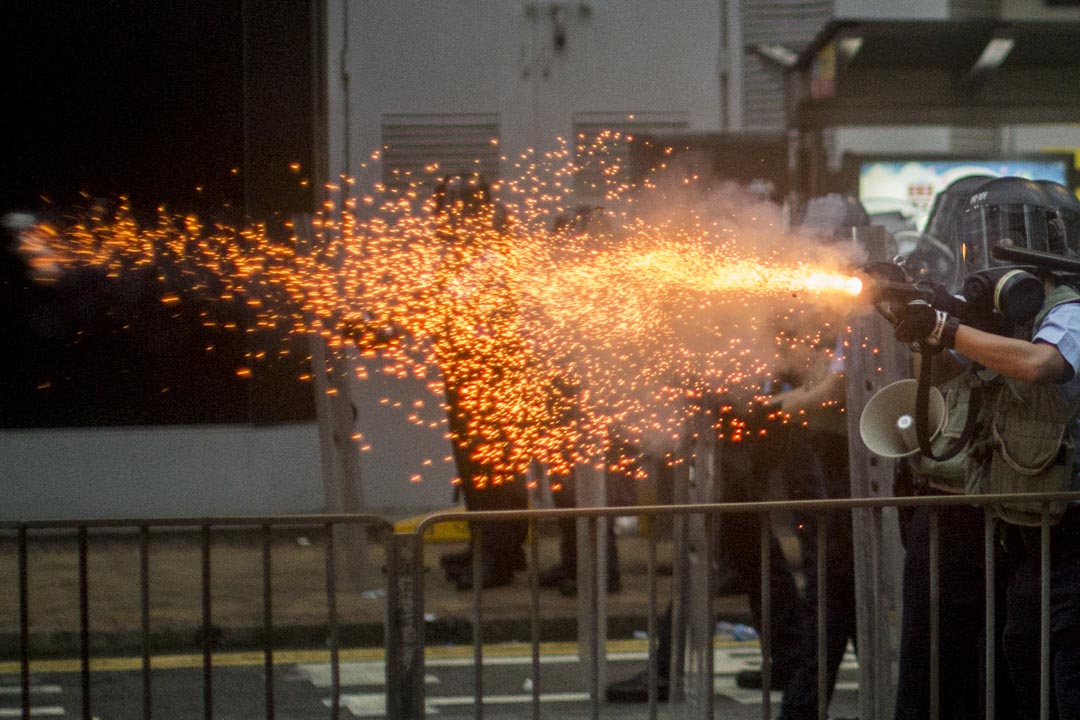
(40, 689)
(370, 673)
(374, 704)
(510, 699)
(727, 663)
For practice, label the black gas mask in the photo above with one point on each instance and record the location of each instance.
(1004, 298)
(1010, 238)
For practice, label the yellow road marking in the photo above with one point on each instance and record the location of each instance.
(291, 657)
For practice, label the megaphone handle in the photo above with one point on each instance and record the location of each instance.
(922, 415)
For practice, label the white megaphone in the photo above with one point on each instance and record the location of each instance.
(887, 423)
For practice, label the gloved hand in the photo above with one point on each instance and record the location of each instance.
(926, 328)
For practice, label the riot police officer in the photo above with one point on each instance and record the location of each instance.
(961, 569)
(1026, 385)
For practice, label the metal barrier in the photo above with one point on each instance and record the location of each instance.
(265, 526)
(405, 601)
(407, 639)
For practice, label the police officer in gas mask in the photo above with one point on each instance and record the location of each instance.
(1015, 364)
(962, 597)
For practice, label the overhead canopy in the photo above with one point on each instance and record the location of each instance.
(937, 72)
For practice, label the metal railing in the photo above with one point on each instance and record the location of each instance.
(408, 642)
(264, 526)
(405, 596)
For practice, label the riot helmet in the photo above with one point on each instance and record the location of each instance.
(1008, 211)
(934, 257)
(1065, 228)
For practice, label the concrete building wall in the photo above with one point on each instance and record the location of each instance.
(184, 471)
(533, 71)
(531, 64)
(898, 10)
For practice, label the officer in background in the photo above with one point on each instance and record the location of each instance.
(813, 463)
(588, 226)
(464, 206)
(1026, 432)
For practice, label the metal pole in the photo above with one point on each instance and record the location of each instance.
(405, 626)
(822, 615)
(990, 585)
(534, 614)
(144, 612)
(332, 621)
(766, 617)
(1044, 614)
(478, 643)
(596, 650)
(935, 612)
(24, 624)
(207, 629)
(651, 585)
(268, 621)
(84, 623)
(589, 492)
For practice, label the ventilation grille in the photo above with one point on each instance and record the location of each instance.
(420, 149)
(792, 23)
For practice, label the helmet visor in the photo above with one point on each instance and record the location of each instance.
(984, 227)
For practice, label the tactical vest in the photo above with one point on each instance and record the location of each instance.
(949, 475)
(1022, 442)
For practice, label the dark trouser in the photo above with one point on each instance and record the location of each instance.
(961, 637)
(801, 693)
(501, 540)
(744, 472)
(740, 534)
(1021, 632)
(743, 532)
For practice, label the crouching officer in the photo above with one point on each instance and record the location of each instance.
(1024, 388)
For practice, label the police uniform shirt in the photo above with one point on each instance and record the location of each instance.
(1061, 328)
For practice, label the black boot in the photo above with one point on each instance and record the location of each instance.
(452, 563)
(636, 689)
(493, 576)
(752, 679)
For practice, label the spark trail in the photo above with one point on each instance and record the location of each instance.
(553, 340)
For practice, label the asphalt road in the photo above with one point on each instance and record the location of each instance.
(303, 688)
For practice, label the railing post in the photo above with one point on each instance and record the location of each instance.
(704, 463)
(590, 491)
(680, 572)
(405, 626)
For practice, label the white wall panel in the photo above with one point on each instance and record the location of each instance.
(160, 471)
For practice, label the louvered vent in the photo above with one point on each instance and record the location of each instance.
(791, 23)
(423, 148)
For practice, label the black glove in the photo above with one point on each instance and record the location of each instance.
(925, 328)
